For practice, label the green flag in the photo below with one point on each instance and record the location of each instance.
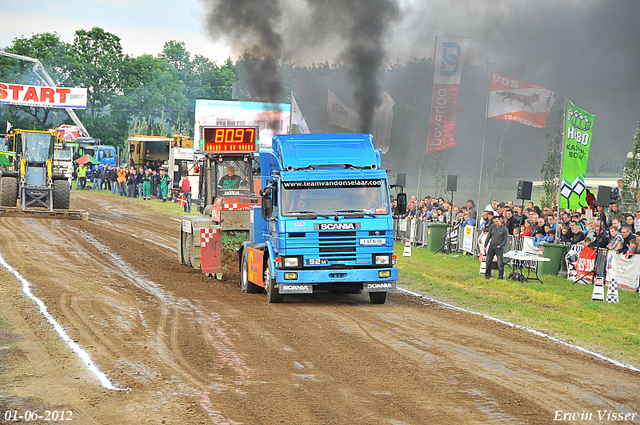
(577, 140)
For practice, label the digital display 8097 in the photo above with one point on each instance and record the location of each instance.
(230, 139)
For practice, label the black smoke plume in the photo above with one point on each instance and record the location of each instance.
(251, 26)
(365, 26)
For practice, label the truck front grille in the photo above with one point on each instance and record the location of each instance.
(338, 246)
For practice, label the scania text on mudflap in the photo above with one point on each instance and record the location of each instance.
(325, 221)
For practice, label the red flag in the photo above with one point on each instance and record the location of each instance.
(449, 60)
(182, 200)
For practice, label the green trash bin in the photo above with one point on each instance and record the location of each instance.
(555, 252)
(436, 234)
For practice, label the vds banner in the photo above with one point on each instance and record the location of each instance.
(515, 100)
(577, 140)
(449, 60)
(43, 97)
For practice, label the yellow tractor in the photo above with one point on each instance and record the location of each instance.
(30, 177)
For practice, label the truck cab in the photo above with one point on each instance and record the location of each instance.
(63, 160)
(183, 161)
(325, 222)
(107, 155)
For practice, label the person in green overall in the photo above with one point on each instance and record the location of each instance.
(146, 185)
(164, 184)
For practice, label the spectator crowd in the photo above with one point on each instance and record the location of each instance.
(602, 227)
(145, 182)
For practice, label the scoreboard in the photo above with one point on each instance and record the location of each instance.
(229, 139)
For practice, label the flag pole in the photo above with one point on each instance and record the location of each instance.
(564, 135)
(426, 145)
(326, 125)
(484, 137)
(291, 113)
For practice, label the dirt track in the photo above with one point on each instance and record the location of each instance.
(194, 350)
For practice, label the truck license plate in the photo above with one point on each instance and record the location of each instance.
(373, 241)
(316, 261)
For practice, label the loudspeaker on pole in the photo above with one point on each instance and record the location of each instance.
(452, 183)
(604, 196)
(401, 179)
(524, 190)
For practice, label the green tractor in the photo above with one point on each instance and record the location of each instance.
(6, 157)
(29, 175)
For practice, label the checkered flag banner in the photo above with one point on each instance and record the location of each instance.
(577, 187)
(612, 292)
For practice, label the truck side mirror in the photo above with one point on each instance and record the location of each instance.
(267, 207)
(402, 203)
(265, 192)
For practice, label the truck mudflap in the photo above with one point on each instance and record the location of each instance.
(295, 288)
(379, 287)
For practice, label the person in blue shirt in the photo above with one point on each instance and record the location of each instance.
(551, 236)
(539, 237)
(467, 220)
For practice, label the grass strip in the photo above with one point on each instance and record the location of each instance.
(556, 307)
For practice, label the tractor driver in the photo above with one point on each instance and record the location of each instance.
(231, 180)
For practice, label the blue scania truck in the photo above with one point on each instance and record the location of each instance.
(325, 222)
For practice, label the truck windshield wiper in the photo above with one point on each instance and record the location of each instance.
(307, 212)
(355, 212)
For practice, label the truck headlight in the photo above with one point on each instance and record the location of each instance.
(291, 261)
(381, 260)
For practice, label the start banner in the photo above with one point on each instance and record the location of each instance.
(43, 97)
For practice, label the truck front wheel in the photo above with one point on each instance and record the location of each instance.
(273, 296)
(378, 297)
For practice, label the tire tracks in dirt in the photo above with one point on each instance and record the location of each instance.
(196, 350)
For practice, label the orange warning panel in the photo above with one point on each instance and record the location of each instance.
(256, 274)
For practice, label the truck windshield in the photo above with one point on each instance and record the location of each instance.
(63, 154)
(36, 146)
(344, 197)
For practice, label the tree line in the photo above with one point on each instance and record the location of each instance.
(125, 93)
(156, 95)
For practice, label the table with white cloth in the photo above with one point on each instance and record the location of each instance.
(522, 260)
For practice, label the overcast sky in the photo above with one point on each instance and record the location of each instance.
(142, 25)
(588, 50)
